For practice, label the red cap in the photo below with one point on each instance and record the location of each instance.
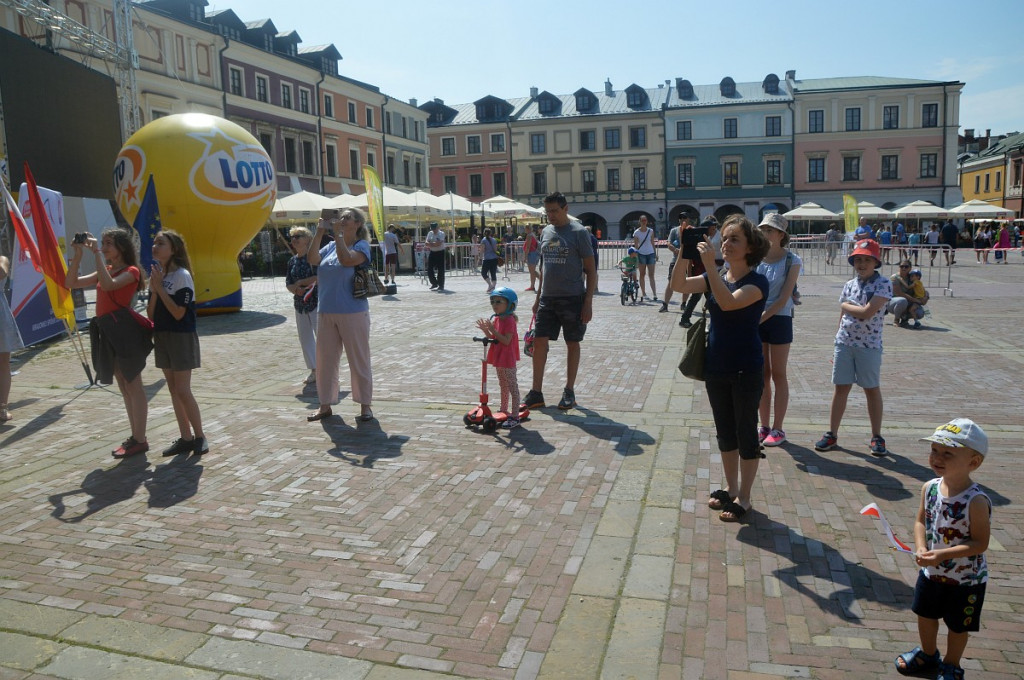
(867, 247)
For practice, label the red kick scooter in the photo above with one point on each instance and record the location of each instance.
(481, 416)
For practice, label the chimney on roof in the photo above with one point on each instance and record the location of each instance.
(969, 133)
(668, 82)
(791, 75)
(438, 101)
(608, 87)
(533, 92)
(412, 102)
(988, 132)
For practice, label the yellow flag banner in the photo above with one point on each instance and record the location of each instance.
(375, 201)
(851, 213)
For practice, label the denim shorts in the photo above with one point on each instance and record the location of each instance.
(533, 258)
(860, 365)
(647, 259)
(958, 605)
(778, 330)
(555, 314)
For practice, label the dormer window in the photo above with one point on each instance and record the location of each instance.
(684, 89)
(771, 84)
(545, 106)
(636, 97)
(728, 87)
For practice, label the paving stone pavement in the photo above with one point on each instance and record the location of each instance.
(577, 546)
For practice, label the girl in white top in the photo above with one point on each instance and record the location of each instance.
(643, 241)
(781, 268)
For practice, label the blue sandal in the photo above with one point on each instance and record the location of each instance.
(916, 662)
(948, 671)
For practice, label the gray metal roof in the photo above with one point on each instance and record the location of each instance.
(606, 104)
(467, 112)
(861, 82)
(746, 93)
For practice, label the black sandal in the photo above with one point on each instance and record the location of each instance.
(718, 499)
(733, 508)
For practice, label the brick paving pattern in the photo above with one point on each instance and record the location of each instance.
(577, 546)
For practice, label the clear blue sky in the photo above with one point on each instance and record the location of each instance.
(461, 50)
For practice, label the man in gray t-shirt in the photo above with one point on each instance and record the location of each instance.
(565, 297)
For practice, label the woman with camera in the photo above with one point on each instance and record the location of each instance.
(119, 344)
(343, 320)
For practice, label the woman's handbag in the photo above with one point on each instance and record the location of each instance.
(501, 261)
(366, 283)
(692, 363)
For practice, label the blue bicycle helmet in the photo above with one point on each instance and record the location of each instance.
(508, 294)
(630, 250)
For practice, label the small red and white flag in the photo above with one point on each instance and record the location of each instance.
(872, 510)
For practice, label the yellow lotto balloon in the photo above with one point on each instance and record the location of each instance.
(215, 185)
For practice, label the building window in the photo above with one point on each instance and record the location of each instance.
(684, 129)
(328, 106)
(538, 144)
(815, 169)
(405, 127)
(773, 126)
(853, 119)
(1018, 172)
(930, 115)
(638, 137)
(977, 183)
(635, 98)
(406, 175)
(545, 105)
(851, 168)
(773, 172)
(612, 138)
(419, 174)
(890, 167)
(389, 169)
(731, 174)
(987, 187)
(540, 182)
(371, 160)
(286, 96)
(307, 158)
(929, 165)
(331, 157)
(476, 185)
(352, 113)
(369, 118)
(890, 117)
(684, 174)
(261, 88)
(235, 78)
(729, 128)
(999, 180)
(498, 142)
(473, 144)
(449, 184)
(290, 162)
(589, 180)
(588, 140)
(816, 120)
(303, 100)
(498, 179)
(639, 179)
(447, 146)
(613, 179)
(353, 163)
(267, 142)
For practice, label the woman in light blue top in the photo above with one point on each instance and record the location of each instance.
(343, 320)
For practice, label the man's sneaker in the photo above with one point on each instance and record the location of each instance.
(533, 399)
(917, 324)
(200, 446)
(180, 446)
(568, 399)
(685, 322)
(878, 446)
(763, 432)
(664, 307)
(774, 438)
(510, 423)
(827, 442)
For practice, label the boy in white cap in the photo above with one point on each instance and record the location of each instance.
(950, 538)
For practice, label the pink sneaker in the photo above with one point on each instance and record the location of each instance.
(762, 434)
(774, 438)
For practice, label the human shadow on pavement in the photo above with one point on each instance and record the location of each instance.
(363, 443)
(869, 472)
(239, 322)
(813, 560)
(174, 482)
(628, 440)
(105, 487)
(523, 439)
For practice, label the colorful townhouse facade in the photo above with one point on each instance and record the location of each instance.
(319, 127)
(995, 174)
(728, 149)
(888, 141)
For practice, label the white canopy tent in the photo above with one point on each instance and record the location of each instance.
(873, 212)
(304, 206)
(507, 207)
(921, 210)
(981, 209)
(810, 211)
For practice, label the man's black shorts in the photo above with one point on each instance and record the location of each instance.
(555, 314)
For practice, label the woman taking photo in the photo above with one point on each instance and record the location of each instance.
(643, 241)
(781, 268)
(733, 365)
(119, 345)
(343, 321)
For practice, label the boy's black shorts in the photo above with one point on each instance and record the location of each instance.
(555, 314)
(959, 606)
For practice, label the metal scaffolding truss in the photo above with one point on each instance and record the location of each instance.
(120, 52)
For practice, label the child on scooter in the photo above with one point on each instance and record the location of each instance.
(504, 354)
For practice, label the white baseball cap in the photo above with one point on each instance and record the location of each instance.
(961, 433)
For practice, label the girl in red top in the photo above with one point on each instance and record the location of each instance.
(117, 279)
(504, 354)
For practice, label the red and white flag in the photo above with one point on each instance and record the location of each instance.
(872, 510)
